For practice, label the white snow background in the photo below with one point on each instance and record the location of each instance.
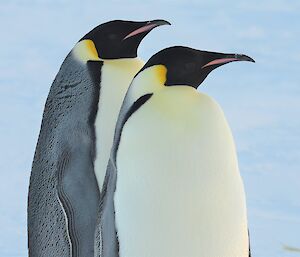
(261, 101)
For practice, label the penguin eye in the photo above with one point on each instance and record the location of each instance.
(112, 36)
(190, 67)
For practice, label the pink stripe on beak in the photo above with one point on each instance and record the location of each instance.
(141, 30)
(220, 61)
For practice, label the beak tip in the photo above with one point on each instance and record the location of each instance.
(160, 22)
(147, 27)
(251, 60)
(247, 58)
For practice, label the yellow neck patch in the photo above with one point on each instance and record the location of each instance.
(160, 72)
(150, 80)
(85, 50)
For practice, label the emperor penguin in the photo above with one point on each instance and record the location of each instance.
(76, 136)
(173, 186)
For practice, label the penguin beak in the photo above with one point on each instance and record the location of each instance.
(147, 27)
(226, 58)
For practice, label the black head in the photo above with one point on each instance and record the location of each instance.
(187, 66)
(120, 39)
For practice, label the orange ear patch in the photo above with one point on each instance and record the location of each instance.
(161, 73)
(85, 50)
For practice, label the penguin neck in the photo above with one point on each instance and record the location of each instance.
(150, 80)
(116, 76)
(125, 63)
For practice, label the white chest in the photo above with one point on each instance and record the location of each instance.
(116, 77)
(179, 192)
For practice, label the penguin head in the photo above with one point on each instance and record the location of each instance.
(187, 66)
(114, 40)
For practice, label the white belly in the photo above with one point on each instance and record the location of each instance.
(179, 191)
(116, 77)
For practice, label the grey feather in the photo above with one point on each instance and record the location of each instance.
(63, 181)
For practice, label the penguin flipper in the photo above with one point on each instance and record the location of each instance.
(106, 240)
(79, 196)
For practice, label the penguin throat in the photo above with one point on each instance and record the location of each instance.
(116, 76)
